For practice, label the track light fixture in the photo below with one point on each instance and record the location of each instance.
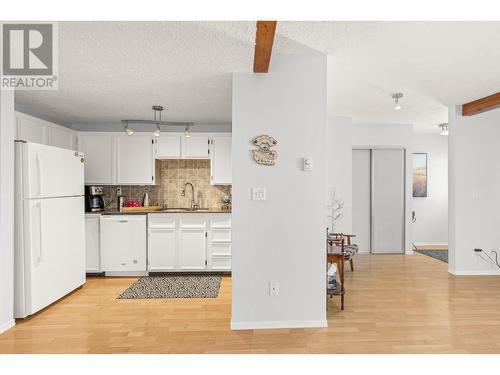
(396, 97)
(157, 109)
(127, 130)
(157, 121)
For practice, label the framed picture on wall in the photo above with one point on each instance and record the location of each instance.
(419, 174)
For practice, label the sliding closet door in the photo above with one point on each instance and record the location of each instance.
(361, 198)
(388, 205)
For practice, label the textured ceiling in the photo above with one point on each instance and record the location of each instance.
(114, 70)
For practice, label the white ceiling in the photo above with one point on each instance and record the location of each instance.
(109, 71)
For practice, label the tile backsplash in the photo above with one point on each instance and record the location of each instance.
(171, 175)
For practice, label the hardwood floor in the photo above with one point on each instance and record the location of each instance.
(394, 304)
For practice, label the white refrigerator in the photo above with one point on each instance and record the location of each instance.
(49, 227)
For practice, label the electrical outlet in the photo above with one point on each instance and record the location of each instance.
(274, 288)
(118, 191)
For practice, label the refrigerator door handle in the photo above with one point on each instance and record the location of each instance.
(39, 174)
(40, 235)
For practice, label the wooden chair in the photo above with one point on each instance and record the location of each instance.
(350, 248)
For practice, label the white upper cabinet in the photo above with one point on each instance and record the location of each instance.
(32, 129)
(220, 162)
(135, 161)
(195, 147)
(61, 137)
(112, 158)
(99, 150)
(168, 147)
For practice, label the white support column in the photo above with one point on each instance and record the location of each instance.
(473, 191)
(278, 260)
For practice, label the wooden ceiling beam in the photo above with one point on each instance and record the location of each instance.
(264, 39)
(481, 105)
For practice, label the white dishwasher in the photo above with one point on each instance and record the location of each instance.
(123, 244)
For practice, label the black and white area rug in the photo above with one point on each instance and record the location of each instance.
(441, 255)
(174, 286)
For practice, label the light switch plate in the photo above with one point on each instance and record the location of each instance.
(258, 194)
(307, 164)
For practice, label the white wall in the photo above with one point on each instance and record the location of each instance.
(283, 238)
(7, 132)
(431, 227)
(390, 136)
(474, 190)
(339, 166)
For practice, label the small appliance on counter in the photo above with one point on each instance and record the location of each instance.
(94, 201)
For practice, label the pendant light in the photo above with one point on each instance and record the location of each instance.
(396, 98)
(187, 133)
(127, 130)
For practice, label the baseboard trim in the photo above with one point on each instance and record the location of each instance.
(127, 273)
(430, 243)
(235, 326)
(7, 325)
(475, 273)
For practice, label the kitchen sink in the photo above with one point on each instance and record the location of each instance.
(184, 210)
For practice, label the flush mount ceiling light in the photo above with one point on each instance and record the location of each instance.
(396, 98)
(444, 129)
(157, 110)
(127, 130)
(187, 133)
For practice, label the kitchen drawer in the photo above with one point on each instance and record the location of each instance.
(220, 221)
(192, 221)
(220, 248)
(162, 221)
(221, 262)
(221, 235)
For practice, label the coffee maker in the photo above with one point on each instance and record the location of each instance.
(94, 201)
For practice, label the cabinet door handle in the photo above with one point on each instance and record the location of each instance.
(123, 221)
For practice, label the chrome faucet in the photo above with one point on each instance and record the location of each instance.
(194, 205)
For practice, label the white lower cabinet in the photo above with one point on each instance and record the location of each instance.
(189, 242)
(123, 243)
(219, 243)
(162, 243)
(92, 248)
(192, 251)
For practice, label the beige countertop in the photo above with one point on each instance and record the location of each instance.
(114, 211)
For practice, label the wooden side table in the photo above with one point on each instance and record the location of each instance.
(335, 254)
